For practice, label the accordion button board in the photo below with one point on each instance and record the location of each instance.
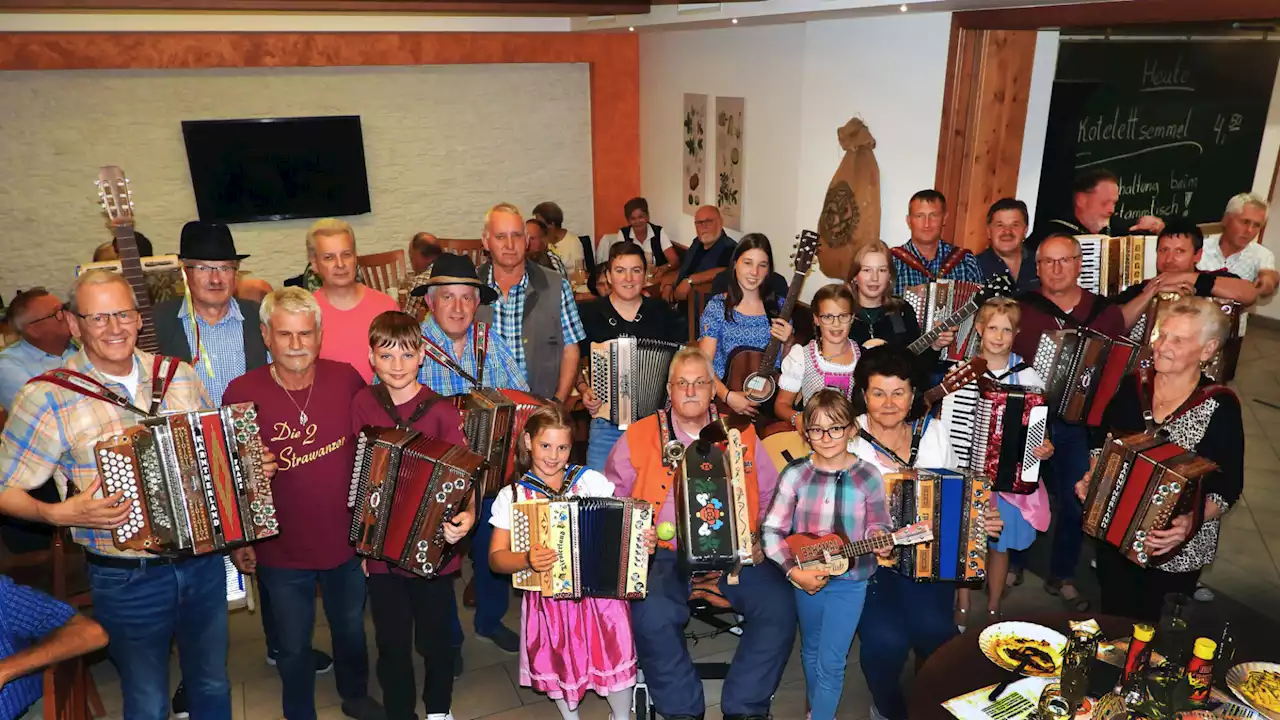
(954, 505)
(599, 543)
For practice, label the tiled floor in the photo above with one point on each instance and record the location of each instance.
(1247, 573)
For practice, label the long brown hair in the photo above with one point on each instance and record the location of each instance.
(891, 303)
(547, 417)
(733, 295)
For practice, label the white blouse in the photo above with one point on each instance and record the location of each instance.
(935, 448)
(591, 484)
(798, 362)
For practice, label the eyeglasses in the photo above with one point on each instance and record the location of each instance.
(100, 320)
(835, 433)
(213, 269)
(698, 385)
(1057, 262)
(704, 223)
(54, 314)
(841, 319)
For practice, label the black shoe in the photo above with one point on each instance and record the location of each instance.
(324, 663)
(506, 640)
(366, 708)
(180, 703)
(748, 717)
(457, 663)
(683, 717)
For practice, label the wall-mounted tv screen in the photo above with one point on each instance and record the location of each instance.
(277, 168)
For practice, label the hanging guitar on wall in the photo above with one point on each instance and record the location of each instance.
(117, 201)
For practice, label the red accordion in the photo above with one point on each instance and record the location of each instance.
(1010, 425)
(492, 421)
(1082, 370)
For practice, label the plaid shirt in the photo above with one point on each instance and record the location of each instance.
(27, 616)
(500, 370)
(508, 317)
(221, 348)
(52, 432)
(417, 306)
(968, 270)
(807, 502)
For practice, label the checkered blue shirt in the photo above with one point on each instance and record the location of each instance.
(968, 270)
(500, 369)
(221, 344)
(27, 616)
(508, 317)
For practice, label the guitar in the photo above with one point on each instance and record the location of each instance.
(117, 201)
(831, 553)
(959, 376)
(751, 371)
(998, 286)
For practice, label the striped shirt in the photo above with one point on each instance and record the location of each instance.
(27, 616)
(967, 270)
(850, 502)
(508, 317)
(500, 369)
(52, 432)
(221, 348)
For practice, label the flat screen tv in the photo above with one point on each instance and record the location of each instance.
(277, 168)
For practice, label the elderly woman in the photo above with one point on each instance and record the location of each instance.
(900, 615)
(1179, 401)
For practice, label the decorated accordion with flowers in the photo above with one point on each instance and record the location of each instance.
(492, 421)
(953, 504)
(713, 519)
(599, 543)
(195, 479)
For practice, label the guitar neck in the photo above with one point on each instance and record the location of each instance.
(926, 340)
(774, 347)
(857, 548)
(131, 269)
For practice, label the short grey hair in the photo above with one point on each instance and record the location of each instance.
(504, 208)
(1206, 312)
(20, 309)
(291, 300)
(1238, 203)
(690, 353)
(99, 276)
(1075, 241)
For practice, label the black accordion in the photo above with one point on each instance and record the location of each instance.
(196, 481)
(629, 377)
(1010, 425)
(599, 543)
(713, 516)
(1082, 370)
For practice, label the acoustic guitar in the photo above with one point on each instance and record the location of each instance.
(831, 553)
(117, 201)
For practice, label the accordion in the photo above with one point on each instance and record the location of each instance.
(1222, 367)
(404, 488)
(936, 302)
(599, 544)
(195, 479)
(492, 421)
(629, 377)
(1108, 265)
(713, 517)
(953, 504)
(1082, 370)
(1139, 484)
(1010, 423)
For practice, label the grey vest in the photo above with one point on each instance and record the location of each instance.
(540, 328)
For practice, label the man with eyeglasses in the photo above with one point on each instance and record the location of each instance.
(640, 467)
(142, 600)
(712, 250)
(1061, 303)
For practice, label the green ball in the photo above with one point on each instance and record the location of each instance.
(666, 531)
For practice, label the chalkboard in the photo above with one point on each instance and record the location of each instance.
(1179, 122)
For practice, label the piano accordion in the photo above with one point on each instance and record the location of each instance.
(492, 421)
(954, 504)
(629, 377)
(1139, 484)
(599, 542)
(404, 488)
(937, 301)
(1082, 370)
(1010, 423)
(1222, 367)
(196, 481)
(1108, 265)
(713, 518)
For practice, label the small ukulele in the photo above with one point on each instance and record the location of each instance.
(831, 553)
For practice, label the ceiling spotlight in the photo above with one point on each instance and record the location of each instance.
(734, 21)
(903, 8)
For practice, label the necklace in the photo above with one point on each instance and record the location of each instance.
(302, 411)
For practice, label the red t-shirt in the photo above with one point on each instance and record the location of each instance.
(1036, 322)
(442, 421)
(315, 461)
(346, 332)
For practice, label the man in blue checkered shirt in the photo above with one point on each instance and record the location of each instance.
(925, 257)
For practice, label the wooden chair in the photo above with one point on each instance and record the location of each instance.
(473, 249)
(386, 272)
(699, 291)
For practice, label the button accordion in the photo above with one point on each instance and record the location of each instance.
(629, 377)
(939, 301)
(953, 504)
(1009, 423)
(1108, 265)
(599, 544)
(404, 488)
(713, 517)
(492, 421)
(1082, 370)
(1222, 367)
(1139, 484)
(195, 479)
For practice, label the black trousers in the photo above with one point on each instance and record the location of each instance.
(409, 613)
(1134, 592)
(24, 536)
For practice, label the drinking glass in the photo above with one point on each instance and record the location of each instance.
(1173, 639)
(1053, 706)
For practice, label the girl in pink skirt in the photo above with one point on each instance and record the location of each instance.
(568, 646)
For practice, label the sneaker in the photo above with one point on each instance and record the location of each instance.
(440, 716)
(875, 714)
(324, 663)
(1203, 594)
(457, 665)
(180, 703)
(366, 708)
(506, 640)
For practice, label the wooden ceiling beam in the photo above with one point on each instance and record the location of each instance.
(451, 7)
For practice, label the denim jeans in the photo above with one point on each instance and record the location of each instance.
(828, 621)
(1069, 463)
(493, 592)
(604, 435)
(293, 597)
(142, 610)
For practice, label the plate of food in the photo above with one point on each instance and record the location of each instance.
(1007, 644)
(1258, 684)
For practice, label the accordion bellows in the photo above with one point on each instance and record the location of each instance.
(1010, 425)
(404, 488)
(1139, 484)
(599, 542)
(1082, 370)
(196, 481)
(954, 505)
(492, 421)
(629, 377)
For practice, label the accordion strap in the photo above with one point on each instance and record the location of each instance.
(949, 263)
(163, 369)
(480, 343)
(383, 395)
(1146, 391)
(1014, 370)
(572, 473)
(917, 433)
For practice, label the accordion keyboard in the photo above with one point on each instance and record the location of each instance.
(1091, 249)
(960, 413)
(120, 475)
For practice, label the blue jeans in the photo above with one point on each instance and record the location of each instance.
(493, 592)
(1069, 463)
(762, 596)
(604, 435)
(828, 621)
(901, 615)
(293, 594)
(142, 610)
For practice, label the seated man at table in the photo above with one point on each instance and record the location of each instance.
(713, 250)
(639, 468)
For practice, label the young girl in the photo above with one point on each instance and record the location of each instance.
(826, 362)
(569, 646)
(830, 490)
(1023, 515)
(879, 316)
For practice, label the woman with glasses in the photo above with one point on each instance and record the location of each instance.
(894, 432)
(626, 311)
(826, 362)
(879, 316)
(744, 316)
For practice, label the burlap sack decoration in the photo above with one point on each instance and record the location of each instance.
(851, 209)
